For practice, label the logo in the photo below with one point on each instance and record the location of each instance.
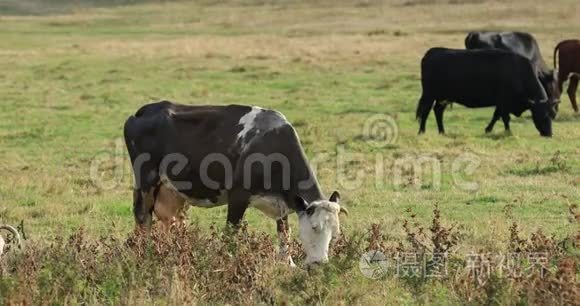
(373, 264)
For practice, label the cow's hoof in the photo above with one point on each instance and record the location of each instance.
(487, 130)
(287, 260)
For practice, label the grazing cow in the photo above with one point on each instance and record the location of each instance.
(523, 44)
(239, 156)
(568, 52)
(482, 78)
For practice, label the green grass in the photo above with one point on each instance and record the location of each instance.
(68, 82)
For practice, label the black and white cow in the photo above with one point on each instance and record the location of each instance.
(239, 156)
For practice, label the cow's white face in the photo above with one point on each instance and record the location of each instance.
(318, 223)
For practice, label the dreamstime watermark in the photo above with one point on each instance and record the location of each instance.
(376, 265)
(411, 170)
(350, 170)
(380, 130)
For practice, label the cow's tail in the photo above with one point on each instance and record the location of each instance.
(135, 127)
(423, 106)
(130, 131)
(556, 54)
(419, 111)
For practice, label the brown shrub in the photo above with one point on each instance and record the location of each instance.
(191, 265)
(187, 264)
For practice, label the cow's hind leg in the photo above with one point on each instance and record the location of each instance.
(423, 109)
(572, 87)
(143, 202)
(439, 109)
(147, 186)
(494, 119)
(284, 236)
(562, 77)
(505, 116)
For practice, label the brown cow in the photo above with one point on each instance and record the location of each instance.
(569, 58)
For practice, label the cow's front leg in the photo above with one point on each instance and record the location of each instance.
(238, 200)
(572, 87)
(284, 238)
(494, 119)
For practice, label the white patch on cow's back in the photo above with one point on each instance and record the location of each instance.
(247, 121)
(222, 198)
(272, 206)
(260, 121)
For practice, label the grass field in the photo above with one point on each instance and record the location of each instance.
(70, 77)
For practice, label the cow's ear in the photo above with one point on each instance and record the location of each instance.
(335, 197)
(300, 204)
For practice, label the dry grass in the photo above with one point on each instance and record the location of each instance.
(172, 268)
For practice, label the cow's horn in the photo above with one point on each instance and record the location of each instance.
(344, 210)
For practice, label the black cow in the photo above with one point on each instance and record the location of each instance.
(234, 155)
(521, 43)
(482, 78)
